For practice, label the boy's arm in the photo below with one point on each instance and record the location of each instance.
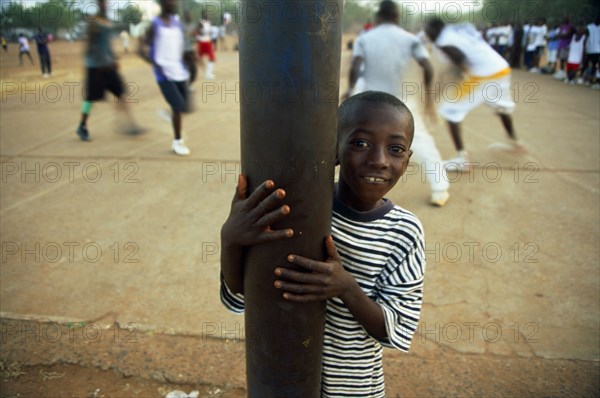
(392, 318)
(248, 224)
(329, 279)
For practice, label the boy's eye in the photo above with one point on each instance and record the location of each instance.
(359, 143)
(397, 149)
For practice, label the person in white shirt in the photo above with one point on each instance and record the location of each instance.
(592, 48)
(24, 49)
(531, 37)
(540, 44)
(576, 51)
(382, 56)
(164, 48)
(488, 79)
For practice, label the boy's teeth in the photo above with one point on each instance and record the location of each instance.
(374, 179)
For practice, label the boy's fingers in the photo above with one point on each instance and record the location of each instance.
(242, 188)
(302, 298)
(307, 263)
(270, 235)
(297, 288)
(260, 193)
(273, 216)
(305, 278)
(268, 203)
(331, 249)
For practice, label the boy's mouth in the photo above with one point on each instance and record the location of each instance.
(375, 180)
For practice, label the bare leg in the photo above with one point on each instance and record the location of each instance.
(508, 125)
(456, 136)
(177, 125)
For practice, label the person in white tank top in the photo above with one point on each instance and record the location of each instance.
(163, 48)
(592, 49)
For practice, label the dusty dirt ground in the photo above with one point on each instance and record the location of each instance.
(66, 364)
(156, 362)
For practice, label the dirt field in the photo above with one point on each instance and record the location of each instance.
(522, 321)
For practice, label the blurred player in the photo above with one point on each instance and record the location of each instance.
(102, 73)
(385, 52)
(484, 68)
(165, 40)
(205, 46)
(41, 39)
(24, 49)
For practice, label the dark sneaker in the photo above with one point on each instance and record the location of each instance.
(83, 133)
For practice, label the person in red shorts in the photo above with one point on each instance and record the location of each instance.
(205, 46)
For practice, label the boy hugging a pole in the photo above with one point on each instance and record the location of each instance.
(373, 277)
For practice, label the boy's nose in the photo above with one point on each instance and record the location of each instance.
(378, 158)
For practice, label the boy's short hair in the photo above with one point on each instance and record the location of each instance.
(348, 109)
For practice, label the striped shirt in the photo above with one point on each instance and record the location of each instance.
(384, 250)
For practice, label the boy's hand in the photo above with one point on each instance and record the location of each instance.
(328, 279)
(250, 219)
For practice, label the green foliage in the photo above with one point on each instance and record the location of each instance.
(53, 14)
(357, 13)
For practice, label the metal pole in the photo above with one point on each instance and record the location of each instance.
(289, 85)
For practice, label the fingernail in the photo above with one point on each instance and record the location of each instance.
(280, 193)
(285, 209)
(290, 233)
(277, 271)
(277, 284)
(290, 258)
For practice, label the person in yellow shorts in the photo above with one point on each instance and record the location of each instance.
(487, 80)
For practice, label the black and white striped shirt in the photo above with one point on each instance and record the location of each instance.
(384, 250)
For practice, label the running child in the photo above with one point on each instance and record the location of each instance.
(102, 74)
(373, 278)
(165, 41)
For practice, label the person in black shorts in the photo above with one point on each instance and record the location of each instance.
(102, 73)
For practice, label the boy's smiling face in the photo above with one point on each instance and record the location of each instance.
(373, 153)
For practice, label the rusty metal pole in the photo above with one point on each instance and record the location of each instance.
(289, 87)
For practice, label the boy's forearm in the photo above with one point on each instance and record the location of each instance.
(232, 268)
(366, 311)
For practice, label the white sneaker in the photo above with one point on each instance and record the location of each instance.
(596, 86)
(179, 148)
(209, 76)
(559, 75)
(534, 70)
(439, 198)
(45, 76)
(580, 80)
(459, 163)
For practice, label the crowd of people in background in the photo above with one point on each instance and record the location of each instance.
(571, 51)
